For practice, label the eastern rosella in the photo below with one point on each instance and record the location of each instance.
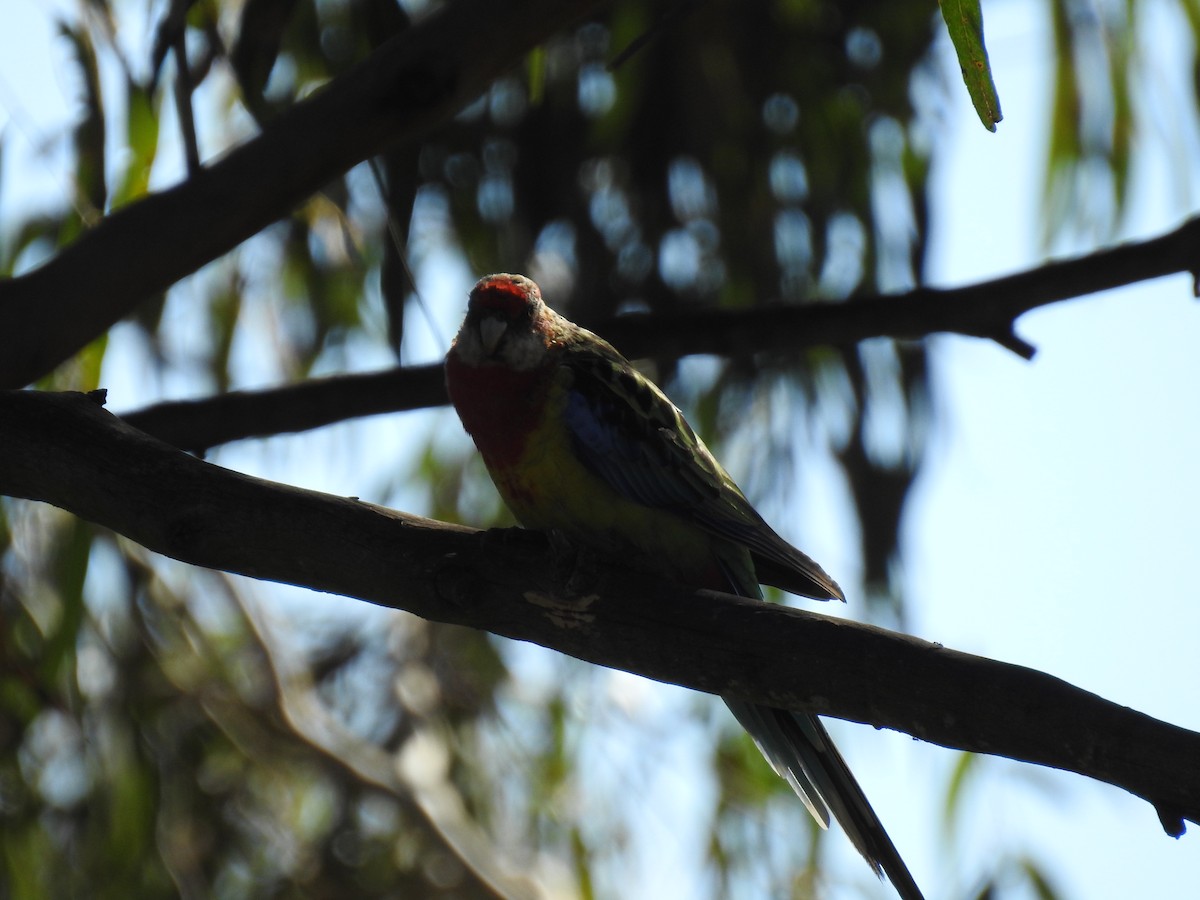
(579, 442)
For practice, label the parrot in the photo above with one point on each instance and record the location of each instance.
(582, 445)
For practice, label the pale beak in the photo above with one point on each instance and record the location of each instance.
(490, 332)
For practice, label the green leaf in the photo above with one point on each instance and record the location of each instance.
(89, 138)
(1066, 139)
(582, 858)
(964, 769)
(964, 21)
(70, 561)
(1042, 887)
(141, 133)
(88, 363)
(26, 851)
(537, 76)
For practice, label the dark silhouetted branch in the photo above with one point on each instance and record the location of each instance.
(66, 450)
(197, 425)
(987, 310)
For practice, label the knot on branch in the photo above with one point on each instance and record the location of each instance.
(455, 583)
(569, 611)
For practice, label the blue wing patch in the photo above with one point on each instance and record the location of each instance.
(631, 457)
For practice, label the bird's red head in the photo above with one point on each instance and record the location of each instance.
(505, 296)
(507, 324)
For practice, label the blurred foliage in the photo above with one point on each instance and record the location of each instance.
(669, 155)
(144, 739)
(1103, 56)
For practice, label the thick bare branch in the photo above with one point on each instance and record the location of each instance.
(66, 450)
(413, 82)
(988, 309)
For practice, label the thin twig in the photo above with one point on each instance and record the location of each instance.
(988, 310)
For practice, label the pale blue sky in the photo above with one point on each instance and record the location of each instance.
(1055, 523)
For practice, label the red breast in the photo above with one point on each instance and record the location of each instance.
(499, 407)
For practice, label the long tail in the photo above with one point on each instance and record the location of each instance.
(801, 751)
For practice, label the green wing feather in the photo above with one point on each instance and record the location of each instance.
(630, 435)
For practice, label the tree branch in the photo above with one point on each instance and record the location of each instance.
(65, 450)
(988, 309)
(415, 81)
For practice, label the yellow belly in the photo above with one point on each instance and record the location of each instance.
(551, 489)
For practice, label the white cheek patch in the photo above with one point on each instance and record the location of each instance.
(467, 346)
(524, 350)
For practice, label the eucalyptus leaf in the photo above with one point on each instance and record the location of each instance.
(964, 21)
